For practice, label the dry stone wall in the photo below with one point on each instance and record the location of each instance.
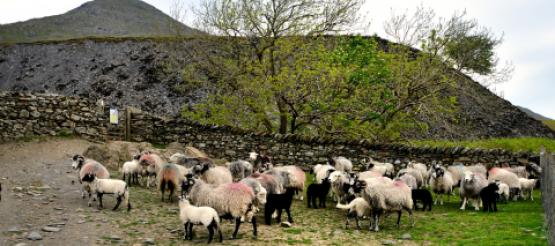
(23, 114)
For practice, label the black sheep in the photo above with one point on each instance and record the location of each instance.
(423, 196)
(318, 191)
(488, 195)
(278, 202)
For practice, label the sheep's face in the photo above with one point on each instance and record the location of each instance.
(438, 172)
(468, 177)
(534, 169)
(188, 183)
(88, 178)
(78, 161)
(137, 157)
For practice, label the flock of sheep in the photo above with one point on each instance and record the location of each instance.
(240, 189)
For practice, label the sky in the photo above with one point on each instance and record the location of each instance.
(527, 28)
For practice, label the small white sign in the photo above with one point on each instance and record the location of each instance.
(113, 116)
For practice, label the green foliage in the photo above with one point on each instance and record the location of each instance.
(528, 144)
(473, 52)
(550, 124)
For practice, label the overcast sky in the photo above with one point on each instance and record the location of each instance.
(528, 28)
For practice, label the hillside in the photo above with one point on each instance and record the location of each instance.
(99, 18)
(533, 114)
(145, 72)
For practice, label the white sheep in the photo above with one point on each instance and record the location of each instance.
(386, 169)
(423, 171)
(191, 215)
(441, 182)
(413, 172)
(369, 174)
(503, 190)
(388, 197)
(131, 170)
(184, 160)
(409, 180)
(358, 208)
(231, 199)
(215, 175)
(152, 164)
(457, 173)
(321, 172)
(471, 185)
(341, 163)
(506, 177)
(116, 187)
(527, 187)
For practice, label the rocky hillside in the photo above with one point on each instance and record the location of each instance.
(145, 72)
(533, 114)
(98, 18)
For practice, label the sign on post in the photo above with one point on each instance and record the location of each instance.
(113, 116)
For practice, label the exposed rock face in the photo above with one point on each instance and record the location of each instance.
(144, 73)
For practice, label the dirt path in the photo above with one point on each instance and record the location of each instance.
(38, 191)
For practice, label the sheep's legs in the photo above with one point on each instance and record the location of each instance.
(463, 206)
(220, 233)
(185, 230)
(289, 218)
(399, 219)
(376, 222)
(237, 224)
(254, 228)
(99, 195)
(279, 215)
(210, 232)
(117, 203)
(191, 231)
(358, 222)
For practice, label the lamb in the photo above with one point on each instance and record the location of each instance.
(423, 171)
(215, 175)
(108, 186)
(131, 170)
(386, 197)
(386, 169)
(341, 163)
(471, 185)
(506, 177)
(318, 191)
(413, 172)
(489, 197)
(231, 200)
(441, 182)
(409, 180)
(423, 196)
(169, 177)
(191, 215)
(503, 191)
(527, 186)
(358, 208)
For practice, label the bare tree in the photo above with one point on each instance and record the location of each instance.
(178, 12)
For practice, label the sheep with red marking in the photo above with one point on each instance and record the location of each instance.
(88, 166)
(298, 179)
(169, 177)
(152, 163)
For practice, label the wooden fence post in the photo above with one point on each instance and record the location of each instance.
(128, 123)
(547, 162)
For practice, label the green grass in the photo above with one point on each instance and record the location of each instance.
(516, 223)
(550, 124)
(527, 144)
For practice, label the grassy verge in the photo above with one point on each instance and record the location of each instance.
(516, 223)
(528, 144)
